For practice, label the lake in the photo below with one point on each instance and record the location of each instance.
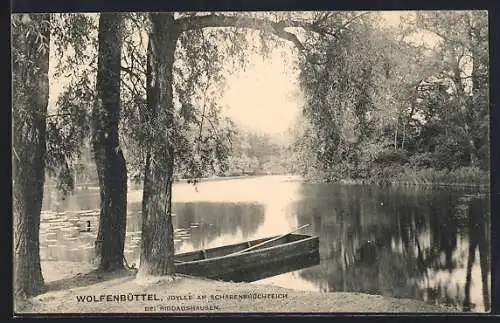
(424, 243)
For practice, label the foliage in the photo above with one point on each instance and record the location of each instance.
(67, 132)
(205, 138)
(369, 90)
(379, 104)
(74, 34)
(68, 122)
(201, 136)
(256, 154)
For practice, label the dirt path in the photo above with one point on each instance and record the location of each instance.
(75, 290)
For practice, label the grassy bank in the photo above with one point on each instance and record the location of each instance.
(76, 288)
(399, 175)
(464, 176)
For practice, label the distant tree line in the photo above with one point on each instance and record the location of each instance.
(253, 153)
(250, 153)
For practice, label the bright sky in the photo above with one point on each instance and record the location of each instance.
(392, 18)
(266, 96)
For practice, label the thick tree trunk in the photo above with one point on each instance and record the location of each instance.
(110, 162)
(30, 99)
(157, 249)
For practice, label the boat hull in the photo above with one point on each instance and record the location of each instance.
(284, 254)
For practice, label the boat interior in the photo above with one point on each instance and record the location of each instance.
(239, 247)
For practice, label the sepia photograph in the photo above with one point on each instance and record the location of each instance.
(251, 162)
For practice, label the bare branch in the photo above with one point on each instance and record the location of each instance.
(133, 89)
(348, 22)
(129, 70)
(322, 17)
(57, 115)
(276, 28)
(16, 155)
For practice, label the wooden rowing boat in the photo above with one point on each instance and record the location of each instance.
(239, 261)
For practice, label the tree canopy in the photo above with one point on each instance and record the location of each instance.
(382, 107)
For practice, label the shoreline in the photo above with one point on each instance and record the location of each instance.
(396, 183)
(74, 287)
(223, 178)
(352, 182)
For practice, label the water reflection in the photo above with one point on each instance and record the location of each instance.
(400, 243)
(431, 244)
(202, 225)
(215, 224)
(273, 269)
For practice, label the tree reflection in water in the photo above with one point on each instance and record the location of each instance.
(210, 224)
(198, 225)
(478, 239)
(399, 242)
(219, 221)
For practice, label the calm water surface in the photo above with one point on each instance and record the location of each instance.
(429, 244)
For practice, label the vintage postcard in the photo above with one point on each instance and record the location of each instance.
(239, 162)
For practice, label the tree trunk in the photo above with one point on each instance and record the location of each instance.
(468, 279)
(456, 77)
(396, 136)
(483, 229)
(110, 162)
(476, 234)
(30, 84)
(157, 248)
(404, 137)
(484, 262)
(476, 105)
